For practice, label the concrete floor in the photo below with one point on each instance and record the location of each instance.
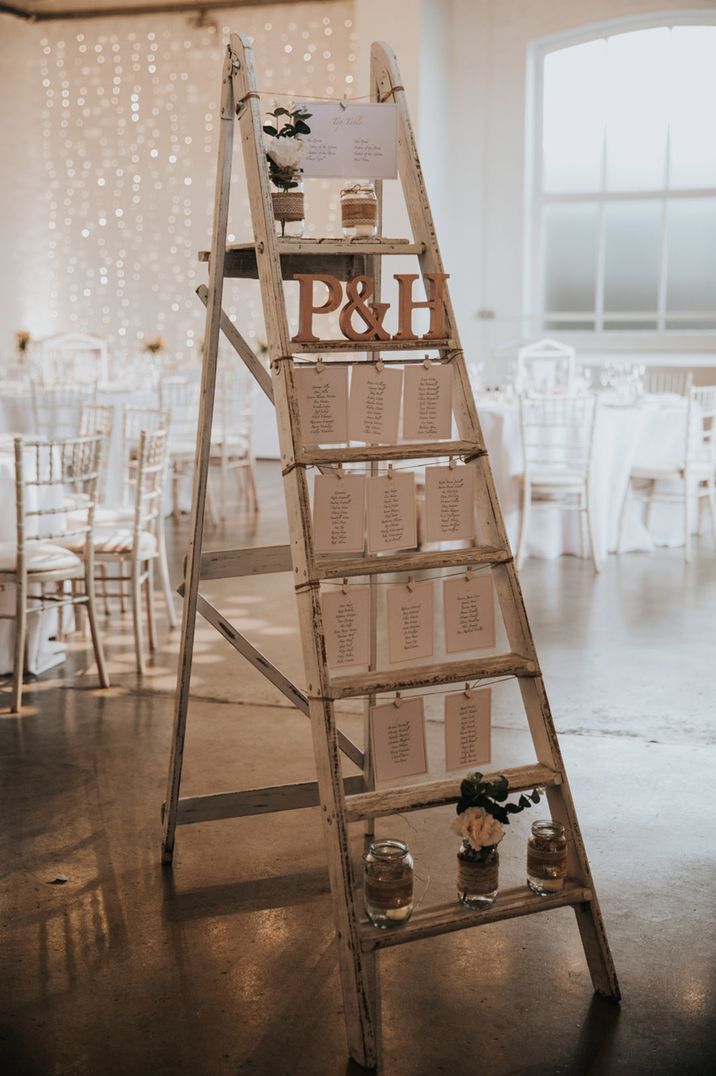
(225, 964)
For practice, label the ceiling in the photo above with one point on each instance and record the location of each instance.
(45, 10)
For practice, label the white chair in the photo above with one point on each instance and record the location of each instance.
(73, 356)
(98, 418)
(231, 436)
(557, 444)
(692, 479)
(546, 367)
(135, 546)
(56, 409)
(53, 547)
(134, 421)
(675, 382)
(180, 396)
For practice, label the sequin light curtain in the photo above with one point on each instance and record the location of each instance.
(128, 157)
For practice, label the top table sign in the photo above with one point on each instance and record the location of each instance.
(352, 141)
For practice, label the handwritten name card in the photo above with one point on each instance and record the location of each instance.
(322, 404)
(449, 503)
(339, 513)
(359, 141)
(469, 609)
(410, 621)
(345, 624)
(398, 734)
(375, 405)
(427, 403)
(468, 731)
(392, 519)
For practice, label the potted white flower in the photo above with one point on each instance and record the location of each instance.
(284, 150)
(482, 814)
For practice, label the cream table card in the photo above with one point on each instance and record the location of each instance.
(346, 619)
(427, 402)
(398, 735)
(449, 503)
(356, 141)
(467, 729)
(339, 513)
(322, 395)
(469, 610)
(374, 411)
(411, 621)
(392, 518)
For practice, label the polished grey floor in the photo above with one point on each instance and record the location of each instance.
(225, 964)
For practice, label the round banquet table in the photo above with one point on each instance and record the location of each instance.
(649, 433)
(42, 651)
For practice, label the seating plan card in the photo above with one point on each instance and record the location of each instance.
(339, 513)
(356, 141)
(374, 410)
(322, 404)
(346, 626)
(392, 519)
(411, 621)
(427, 403)
(469, 610)
(467, 729)
(398, 734)
(449, 503)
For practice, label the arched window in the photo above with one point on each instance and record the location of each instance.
(623, 227)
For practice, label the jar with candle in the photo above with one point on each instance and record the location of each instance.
(388, 884)
(546, 857)
(359, 211)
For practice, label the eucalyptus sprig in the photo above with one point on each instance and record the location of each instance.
(286, 146)
(293, 127)
(492, 797)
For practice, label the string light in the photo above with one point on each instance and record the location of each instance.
(129, 154)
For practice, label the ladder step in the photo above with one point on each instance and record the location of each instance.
(446, 672)
(417, 450)
(378, 804)
(410, 562)
(451, 916)
(340, 258)
(319, 347)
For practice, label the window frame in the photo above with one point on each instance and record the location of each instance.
(535, 317)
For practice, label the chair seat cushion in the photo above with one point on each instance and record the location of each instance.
(119, 540)
(107, 517)
(39, 557)
(697, 469)
(556, 476)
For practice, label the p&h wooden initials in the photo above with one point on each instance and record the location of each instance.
(359, 290)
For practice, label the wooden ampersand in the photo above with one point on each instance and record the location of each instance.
(371, 313)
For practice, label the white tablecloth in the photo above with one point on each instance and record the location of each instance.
(42, 652)
(652, 433)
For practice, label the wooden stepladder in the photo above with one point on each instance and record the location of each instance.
(354, 799)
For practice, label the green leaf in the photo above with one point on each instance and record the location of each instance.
(302, 128)
(534, 796)
(280, 112)
(268, 129)
(286, 131)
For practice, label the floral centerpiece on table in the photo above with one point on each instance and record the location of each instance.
(284, 149)
(482, 814)
(155, 344)
(22, 343)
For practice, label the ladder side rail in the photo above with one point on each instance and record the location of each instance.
(253, 363)
(210, 348)
(536, 704)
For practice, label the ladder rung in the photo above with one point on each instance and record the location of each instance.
(446, 672)
(378, 804)
(410, 562)
(450, 916)
(318, 347)
(417, 450)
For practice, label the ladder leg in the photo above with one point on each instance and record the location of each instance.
(201, 468)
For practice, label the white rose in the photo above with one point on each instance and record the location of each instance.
(478, 828)
(285, 152)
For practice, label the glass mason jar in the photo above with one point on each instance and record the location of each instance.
(289, 212)
(477, 875)
(546, 857)
(388, 884)
(359, 211)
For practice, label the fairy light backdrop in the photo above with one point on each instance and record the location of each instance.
(123, 188)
